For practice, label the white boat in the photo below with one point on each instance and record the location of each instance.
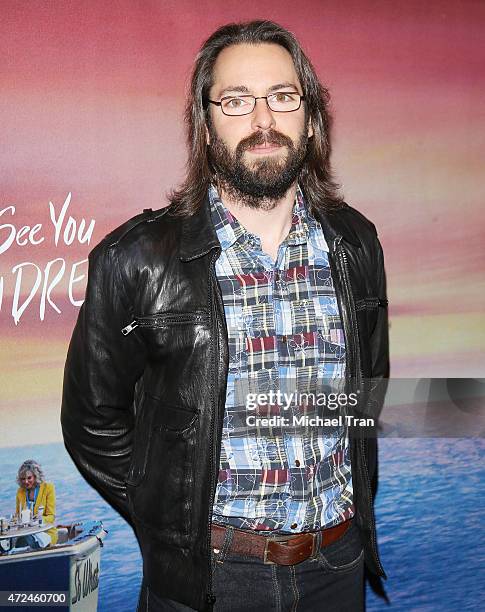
(65, 575)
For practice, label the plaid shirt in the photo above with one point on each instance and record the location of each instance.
(284, 333)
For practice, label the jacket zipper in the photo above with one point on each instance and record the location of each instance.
(349, 319)
(155, 321)
(210, 598)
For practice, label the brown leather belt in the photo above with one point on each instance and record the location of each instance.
(280, 550)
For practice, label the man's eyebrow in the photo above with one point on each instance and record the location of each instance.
(235, 89)
(285, 85)
(244, 89)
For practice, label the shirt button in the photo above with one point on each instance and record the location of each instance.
(294, 525)
(297, 462)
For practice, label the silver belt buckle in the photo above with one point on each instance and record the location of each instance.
(281, 538)
(286, 539)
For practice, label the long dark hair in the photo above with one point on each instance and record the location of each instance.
(315, 178)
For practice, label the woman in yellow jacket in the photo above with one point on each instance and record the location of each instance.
(34, 492)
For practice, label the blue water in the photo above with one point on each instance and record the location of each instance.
(429, 509)
(76, 500)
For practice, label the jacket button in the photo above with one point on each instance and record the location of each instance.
(294, 525)
(297, 462)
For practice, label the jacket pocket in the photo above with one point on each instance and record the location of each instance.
(160, 480)
(368, 307)
(370, 303)
(164, 320)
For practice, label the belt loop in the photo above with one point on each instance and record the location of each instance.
(226, 544)
(317, 544)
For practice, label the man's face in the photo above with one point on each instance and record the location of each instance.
(258, 155)
(28, 480)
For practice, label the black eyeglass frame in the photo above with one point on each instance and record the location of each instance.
(302, 97)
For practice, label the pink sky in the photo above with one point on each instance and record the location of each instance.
(92, 100)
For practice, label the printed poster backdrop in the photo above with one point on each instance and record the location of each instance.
(91, 115)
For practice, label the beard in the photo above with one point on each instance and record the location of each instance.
(262, 183)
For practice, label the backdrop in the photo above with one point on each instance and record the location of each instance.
(91, 132)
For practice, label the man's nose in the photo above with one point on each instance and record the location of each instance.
(262, 118)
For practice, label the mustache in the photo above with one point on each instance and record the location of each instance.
(271, 137)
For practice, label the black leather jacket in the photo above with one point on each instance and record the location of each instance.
(145, 381)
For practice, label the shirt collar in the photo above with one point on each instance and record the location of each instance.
(229, 230)
(227, 227)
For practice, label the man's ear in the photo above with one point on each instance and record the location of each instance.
(207, 137)
(310, 128)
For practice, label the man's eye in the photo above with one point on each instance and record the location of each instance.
(234, 102)
(283, 96)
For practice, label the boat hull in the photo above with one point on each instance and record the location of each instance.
(71, 569)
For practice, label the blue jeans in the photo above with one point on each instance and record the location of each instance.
(332, 582)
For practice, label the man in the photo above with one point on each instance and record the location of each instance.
(256, 281)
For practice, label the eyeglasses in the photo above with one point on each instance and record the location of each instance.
(279, 102)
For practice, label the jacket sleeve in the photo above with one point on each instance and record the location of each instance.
(380, 335)
(50, 503)
(379, 349)
(100, 374)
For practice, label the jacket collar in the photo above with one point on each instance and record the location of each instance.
(23, 493)
(199, 235)
(337, 223)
